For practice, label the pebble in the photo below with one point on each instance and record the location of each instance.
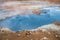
(44, 38)
(18, 35)
(31, 39)
(57, 35)
(49, 33)
(44, 30)
(7, 39)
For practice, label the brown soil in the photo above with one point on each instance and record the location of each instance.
(30, 35)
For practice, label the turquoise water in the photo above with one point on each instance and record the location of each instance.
(31, 21)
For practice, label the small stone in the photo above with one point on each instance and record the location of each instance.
(7, 39)
(18, 35)
(28, 33)
(2, 30)
(49, 33)
(44, 30)
(44, 38)
(56, 35)
(31, 39)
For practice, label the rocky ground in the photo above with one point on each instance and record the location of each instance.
(34, 34)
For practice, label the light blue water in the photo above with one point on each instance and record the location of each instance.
(31, 21)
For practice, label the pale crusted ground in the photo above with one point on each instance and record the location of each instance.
(20, 7)
(16, 7)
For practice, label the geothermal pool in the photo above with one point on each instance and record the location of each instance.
(15, 20)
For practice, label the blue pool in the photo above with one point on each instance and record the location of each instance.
(31, 21)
